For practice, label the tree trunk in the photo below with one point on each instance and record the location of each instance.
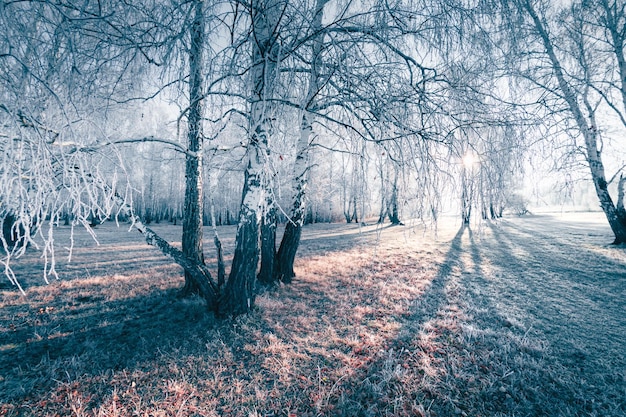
(268, 244)
(392, 211)
(287, 252)
(354, 216)
(589, 133)
(467, 196)
(286, 255)
(11, 234)
(192, 219)
(239, 292)
(221, 269)
(620, 197)
(383, 192)
(238, 295)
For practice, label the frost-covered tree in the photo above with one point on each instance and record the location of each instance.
(569, 58)
(55, 83)
(254, 83)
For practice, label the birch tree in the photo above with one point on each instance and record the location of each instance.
(51, 118)
(352, 72)
(239, 293)
(286, 254)
(566, 81)
(362, 70)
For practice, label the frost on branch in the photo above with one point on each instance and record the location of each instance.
(44, 183)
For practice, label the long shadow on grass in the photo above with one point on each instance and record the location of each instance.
(498, 366)
(427, 306)
(95, 337)
(371, 392)
(564, 252)
(341, 237)
(40, 335)
(574, 296)
(545, 285)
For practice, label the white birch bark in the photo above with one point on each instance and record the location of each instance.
(291, 238)
(589, 131)
(238, 297)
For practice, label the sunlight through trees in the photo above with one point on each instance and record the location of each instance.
(286, 112)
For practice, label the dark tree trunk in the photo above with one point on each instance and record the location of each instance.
(12, 235)
(268, 246)
(394, 216)
(286, 255)
(239, 293)
(221, 269)
(285, 258)
(383, 209)
(392, 211)
(287, 252)
(192, 218)
(354, 216)
(381, 215)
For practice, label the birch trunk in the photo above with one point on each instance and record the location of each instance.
(268, 243)
(192, 219)
(239, 292)
(286, 255)
(392, 210)
(467, 194)
(621, 185)
(589, 133)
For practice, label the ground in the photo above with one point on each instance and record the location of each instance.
(522, 317)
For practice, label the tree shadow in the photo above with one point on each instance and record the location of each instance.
(338, 237)
(126, 326)
(96, 335)
(428, 307)
(509, 309)
(100, 325)
(573, 295)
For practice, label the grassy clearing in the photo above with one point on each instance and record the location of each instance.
(389, 322)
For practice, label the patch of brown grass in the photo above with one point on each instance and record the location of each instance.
(379, 322)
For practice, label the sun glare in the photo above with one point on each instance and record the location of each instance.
(469, 160)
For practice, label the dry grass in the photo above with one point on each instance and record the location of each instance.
(379, 322)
